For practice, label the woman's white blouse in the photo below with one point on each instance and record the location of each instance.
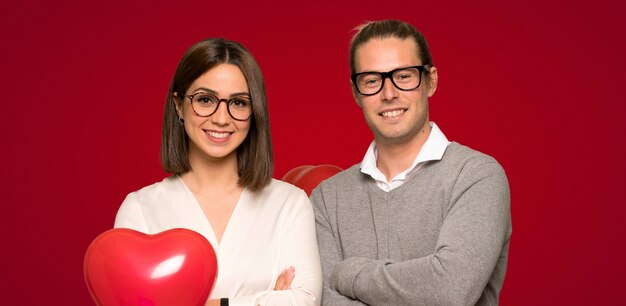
(269, 231)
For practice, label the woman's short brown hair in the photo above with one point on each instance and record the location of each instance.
(255, 162)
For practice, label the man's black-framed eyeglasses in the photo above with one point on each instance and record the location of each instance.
(205, 104)
(370, 83)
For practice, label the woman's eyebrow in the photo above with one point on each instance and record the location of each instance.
(205, 89)
(239, 94)
(211, 91)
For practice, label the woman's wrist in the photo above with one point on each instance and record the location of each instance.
(212, 303)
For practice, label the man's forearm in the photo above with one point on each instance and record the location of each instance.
(329, 254)
(470, 245)
(331, 297)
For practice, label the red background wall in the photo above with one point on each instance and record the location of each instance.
(536, 84)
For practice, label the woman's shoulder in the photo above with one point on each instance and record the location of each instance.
(280, 194)
(282, 186)
(167, 186)
(281, 189)
(158, 199)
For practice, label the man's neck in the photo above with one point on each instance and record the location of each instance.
(393, 158)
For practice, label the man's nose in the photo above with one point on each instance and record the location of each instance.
(389, 91)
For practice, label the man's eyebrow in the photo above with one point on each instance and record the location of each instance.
(397, 68)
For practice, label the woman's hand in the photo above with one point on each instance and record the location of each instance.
(212, 303)
(283, 282)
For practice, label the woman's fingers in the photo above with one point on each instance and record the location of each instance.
(291, 273)
(280, 280)
(283, 282)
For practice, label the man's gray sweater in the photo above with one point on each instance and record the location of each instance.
(441, 238)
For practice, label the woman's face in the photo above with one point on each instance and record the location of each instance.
(219, 135)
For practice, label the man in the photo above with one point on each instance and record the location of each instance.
(421, 220)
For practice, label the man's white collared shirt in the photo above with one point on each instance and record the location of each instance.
(433, 149)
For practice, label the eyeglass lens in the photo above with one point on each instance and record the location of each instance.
(405, 79)
(205, 104)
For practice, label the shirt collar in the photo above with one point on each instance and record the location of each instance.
(433, 149)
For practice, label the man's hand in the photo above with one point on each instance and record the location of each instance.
(283, 282)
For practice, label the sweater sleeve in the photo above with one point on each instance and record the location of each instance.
(469, 245)
(329, 253)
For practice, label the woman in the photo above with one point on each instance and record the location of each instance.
(220, 156)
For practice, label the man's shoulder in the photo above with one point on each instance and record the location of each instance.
(340, 188)
(457, 153)
(349, 176)
(460, 159)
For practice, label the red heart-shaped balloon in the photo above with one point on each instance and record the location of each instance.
(308, 177)
(126, 267)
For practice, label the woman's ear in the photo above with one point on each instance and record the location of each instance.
(178, 104)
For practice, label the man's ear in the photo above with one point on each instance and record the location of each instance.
(355, 94)
(433, 80)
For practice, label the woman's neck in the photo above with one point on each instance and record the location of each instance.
(208, 174)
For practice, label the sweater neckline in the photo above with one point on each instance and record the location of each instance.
(392, 193)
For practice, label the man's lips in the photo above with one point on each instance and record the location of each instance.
(392, 112)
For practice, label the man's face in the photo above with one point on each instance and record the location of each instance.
(395, 116)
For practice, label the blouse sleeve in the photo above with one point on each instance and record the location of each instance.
(300, 251)
(130, 215)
